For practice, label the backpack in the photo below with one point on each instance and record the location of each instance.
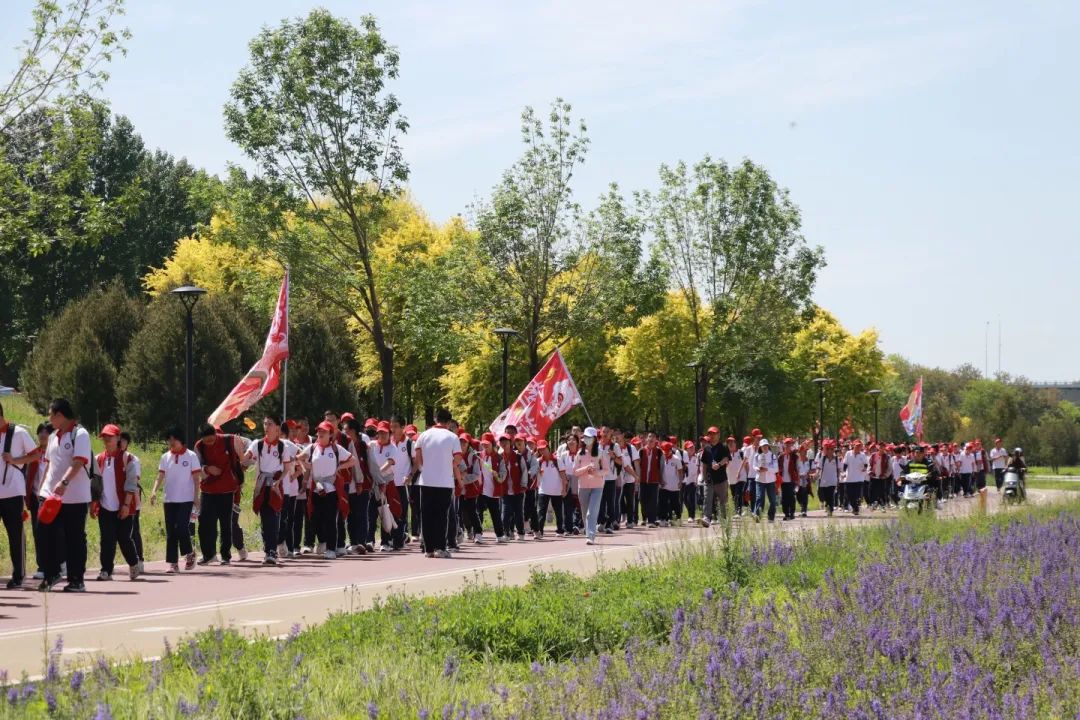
(8, 436)
(279, 445)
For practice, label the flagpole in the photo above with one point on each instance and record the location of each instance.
(285, 390)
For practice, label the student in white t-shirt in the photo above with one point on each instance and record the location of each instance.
(765, 465)
(671, 475)
(17, 449)
(273, 457)
(67, 477)
(322, 459)
(179, 471)
(691, 477)
(116, 514)
(857, 467)
(437, 454)
(553, 487)
(999, 457)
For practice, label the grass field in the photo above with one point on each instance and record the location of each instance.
(1047, 484)
(582, 644)
(1070, 470)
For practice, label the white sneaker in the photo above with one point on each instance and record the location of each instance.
(590, 541)
(172, 569)
(134, 571)
(330, 555)
(321, 550)
(104, 576)
(243, 553)
(479, 540)
(281, 549)
(444, 554)
(305, 550)
(142, 570)
(39, 575)
(342, 551)
(500, 540)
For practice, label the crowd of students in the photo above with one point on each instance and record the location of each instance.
(380, 486)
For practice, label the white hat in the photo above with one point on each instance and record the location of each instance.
(763, 443)
(590, 431)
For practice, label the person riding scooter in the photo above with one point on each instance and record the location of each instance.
(921, 466)
(1017, 465)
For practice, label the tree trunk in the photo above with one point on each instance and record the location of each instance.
(386, 365)
(534, 360)
(429, 415)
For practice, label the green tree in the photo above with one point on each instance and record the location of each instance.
(79, 353)
(150, 385)
(313, 111)
(43, 104)
(322, 368)
(1058, 436)
(731, 239)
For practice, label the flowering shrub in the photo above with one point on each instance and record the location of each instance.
(981, 627)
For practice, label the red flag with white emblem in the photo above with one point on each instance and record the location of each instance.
(264, 376)
(547, 397)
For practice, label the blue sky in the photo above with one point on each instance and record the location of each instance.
(931, 146)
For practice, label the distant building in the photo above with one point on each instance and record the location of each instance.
(1064, 391)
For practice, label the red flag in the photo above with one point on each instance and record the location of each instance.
(911, 414)
(263, 377)
(547, 397)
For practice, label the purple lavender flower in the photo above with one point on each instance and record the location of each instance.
(103, 712)
(50, 700)
(372, 710)
(76, 680)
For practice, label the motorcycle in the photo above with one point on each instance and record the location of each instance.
(1012, 491)
(916, 494)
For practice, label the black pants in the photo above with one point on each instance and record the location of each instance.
(294, 540)
(311, 526)
(136, 534)
(115, 531)
(533, 517)
(467, 512)
(65, 541)
(737, 491)
(965, 483)
(270, 520)
(216, 513)
(787, 499)
(669, 505)
(285, 522)
(854, 494)
(490, 505)
(689, 499)
(340, 532)
(558, 506)
(434, 512)
(827, 495)
(11, 510)
(32, 504)
(396, 537)
(649, 495)
(802, 496)
(359, 517)
(452, 522)
(237, 531)
(177, 537)
(999, 477)
(609, 505)
(629, 502)
(413, 509)
(513, 514)
(325, 517)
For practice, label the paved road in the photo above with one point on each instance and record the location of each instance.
(123, 619)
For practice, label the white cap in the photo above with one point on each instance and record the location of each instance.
(763, 443)
(590, 431)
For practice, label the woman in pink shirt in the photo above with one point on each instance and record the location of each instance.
(590, 482)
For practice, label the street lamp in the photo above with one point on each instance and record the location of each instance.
(874, 394)
(505, 333)
(820, 382)
(697, 401)
(189, 295)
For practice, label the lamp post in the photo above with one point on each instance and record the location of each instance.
(697, 400)
(189, 295)
(505, 333)
(820, 382)
(874, 394)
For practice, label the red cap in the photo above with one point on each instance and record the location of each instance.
(503, 436)
(665, 446)
(636, 442)
(672, 439)
(371, 422)
(688, 445)
(713, 430)
(789, 440)
(383, 426)
(747, 440)
(755, 432)
(487, 437)
(110, 430)
(327, 426)
(410, 429)
(731, 438)
(541, 445)
(346, 416)
(465, 438)
(291, 424)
